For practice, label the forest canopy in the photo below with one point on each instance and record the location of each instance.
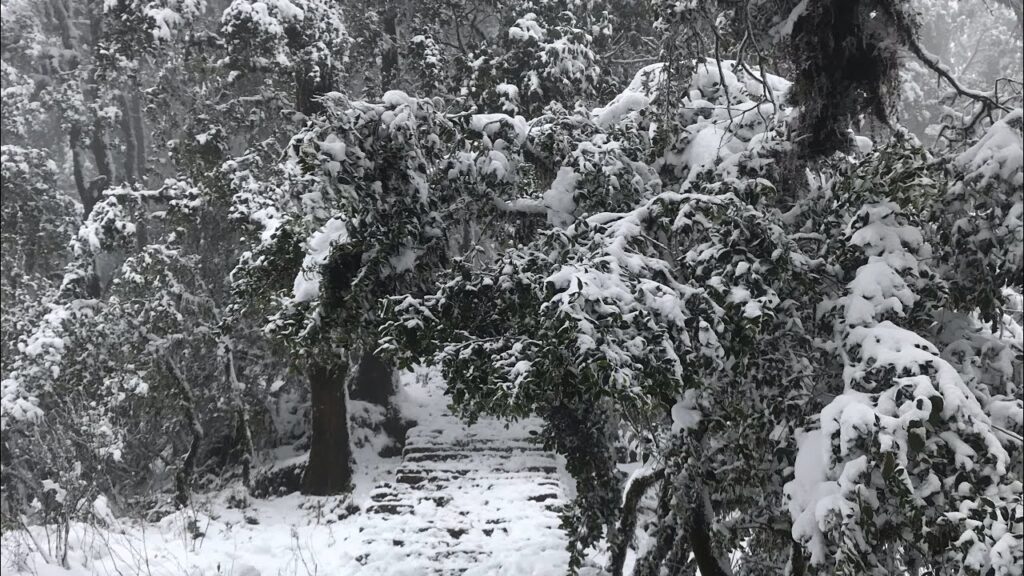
(756, 266)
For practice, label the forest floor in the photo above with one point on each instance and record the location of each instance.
(473, 500)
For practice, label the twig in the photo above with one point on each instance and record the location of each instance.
(1013, 435)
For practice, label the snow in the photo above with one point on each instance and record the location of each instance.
(397, 98)
(287, 10)
(59, 494)
(685, 414)
(318, 249)
(640, 92)
(508, 95)
(705, 149)
(810, 493)
(334, 147)
(16, 404)
(732, 111)
(560, 198)
(404, 260)
(876, 290)
(526, 28)
(619, 108)
(999, 154)
(491, 124)
(165, 21)
(785, 28)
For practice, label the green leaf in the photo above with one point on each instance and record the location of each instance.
(888, 466)
(935, 418)
(915, 440)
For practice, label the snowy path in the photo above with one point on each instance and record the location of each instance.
(467, 500)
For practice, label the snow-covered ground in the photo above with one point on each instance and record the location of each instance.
(473, 500)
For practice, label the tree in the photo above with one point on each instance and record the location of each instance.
(357, 216)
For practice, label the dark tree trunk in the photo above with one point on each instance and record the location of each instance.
(309, 86)
(374, 381)
(389, 60)
(135, 112)
(75, 137)
(187, 469)
(78, 169)
(700, 540)
(130, 156)
(797, 563)
(98, 140)
(101, 156)
(329, 470)
(241, 410)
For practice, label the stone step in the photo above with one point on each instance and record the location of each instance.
(476, 435)
(497, 448)
(481, 456)
(461, 493)
(438, 477)
(390, 508)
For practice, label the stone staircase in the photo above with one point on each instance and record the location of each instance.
(467, 500)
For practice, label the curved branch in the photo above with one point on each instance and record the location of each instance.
(909, 39)
(932, 62)
(627, 520)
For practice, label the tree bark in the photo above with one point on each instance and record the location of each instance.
(309, 86)
(329, 470)
(700, 539)
(101, 156)
(128, 133)
(797, 563)
(374, 381)
(75, 137)
(242, 410)
(389, 59)
(78, 169)
(135, 113)
(98, 141)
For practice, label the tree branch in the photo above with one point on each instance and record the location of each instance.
(909, 39)
(627, 521)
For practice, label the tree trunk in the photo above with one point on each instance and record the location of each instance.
(101, 156)
(309, 86)
(186, 472)
(329, 470)
(98, 140)
(242, 411)
(700, 539)
(389, 59)
(75, 137)
(797, 563)
(130, 156)
(135, 113)
(374, 381)
(78, 169)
